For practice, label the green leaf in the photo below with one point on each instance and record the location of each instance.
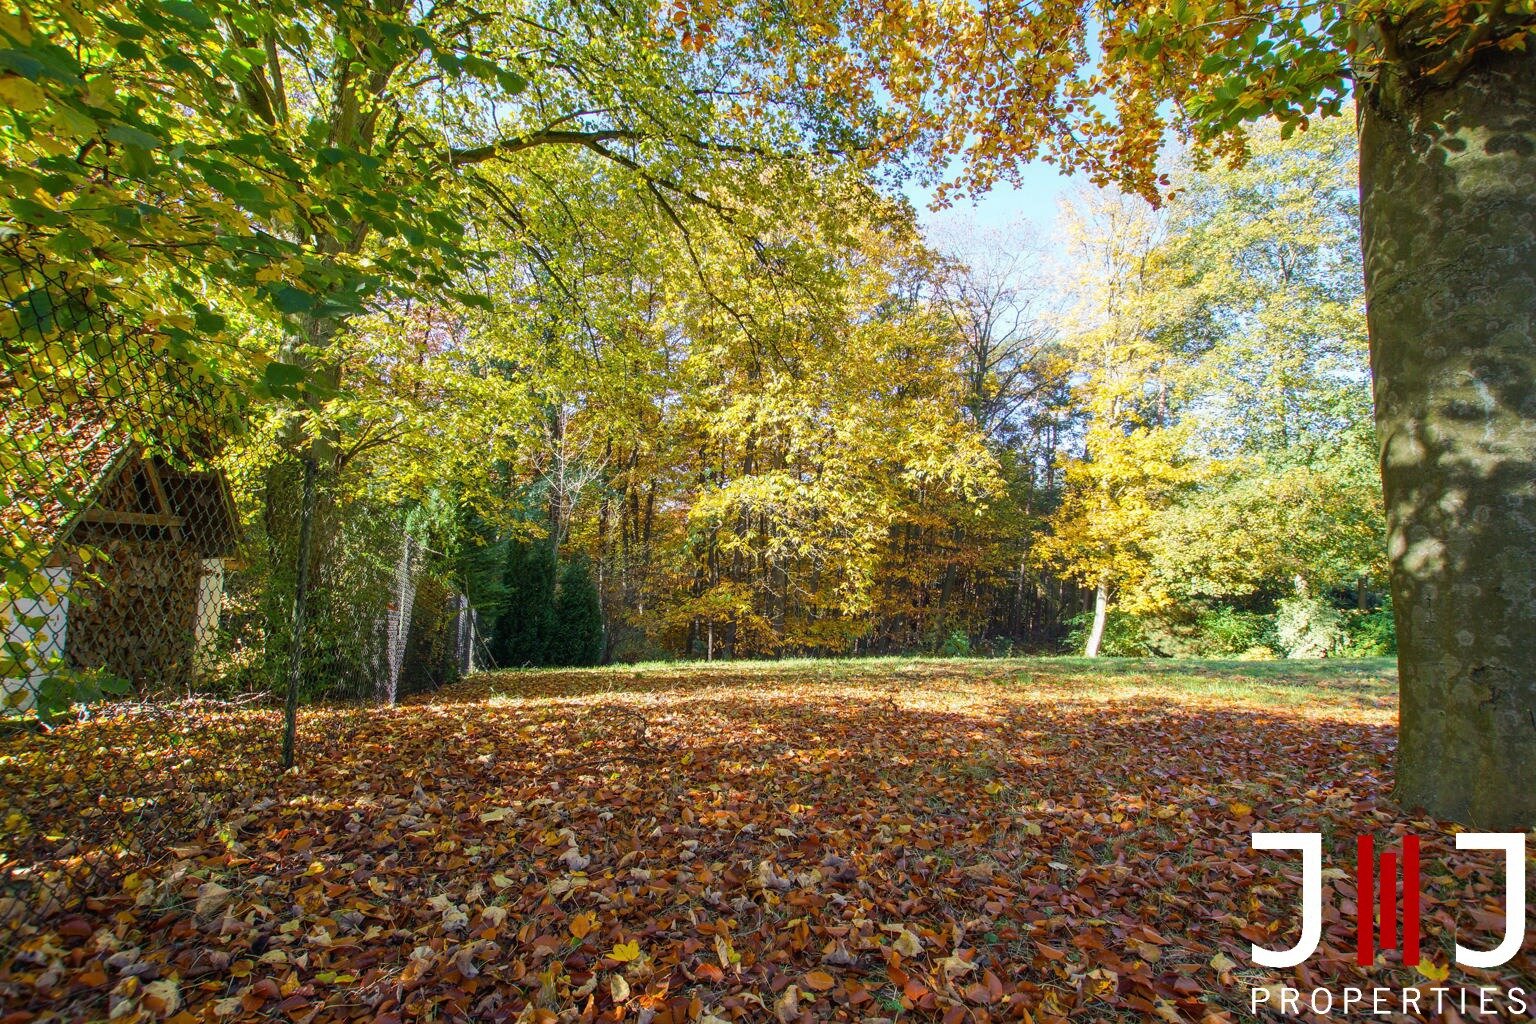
(475, 301)
(131, 136)
(289, 299)
(23, 64)
(511, 82)
(115, 685)
(188, 12)
(33, 213)
(210, 322)
(34, 65)
(283, 377)
(68, 244)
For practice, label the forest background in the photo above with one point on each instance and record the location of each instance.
(627, 323)
(838, 436)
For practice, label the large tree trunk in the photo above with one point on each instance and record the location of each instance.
(1448, 192)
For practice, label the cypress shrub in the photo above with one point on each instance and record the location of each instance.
(526, 626)
(578, 635)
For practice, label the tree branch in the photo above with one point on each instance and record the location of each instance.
(548, 137)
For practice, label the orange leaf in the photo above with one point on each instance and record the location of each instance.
(821, 981)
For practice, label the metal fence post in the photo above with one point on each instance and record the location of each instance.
(300, 599)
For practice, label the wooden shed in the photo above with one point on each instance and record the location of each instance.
(136, 553)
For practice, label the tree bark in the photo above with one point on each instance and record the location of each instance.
(1100, 613)
(1448, 209)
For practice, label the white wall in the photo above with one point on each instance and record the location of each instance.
(37, 627)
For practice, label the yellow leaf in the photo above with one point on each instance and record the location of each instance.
(14, 27)
(1241, 810)
(624, 952)
(1433, 972)
(20, 94)
(163, 996)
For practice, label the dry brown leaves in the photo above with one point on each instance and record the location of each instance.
(940, 843)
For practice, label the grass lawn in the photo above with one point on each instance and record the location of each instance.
(892, 839)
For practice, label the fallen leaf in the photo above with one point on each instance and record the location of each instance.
(211, 898)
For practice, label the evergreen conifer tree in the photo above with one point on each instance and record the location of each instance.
(525, 627)
(578, 636)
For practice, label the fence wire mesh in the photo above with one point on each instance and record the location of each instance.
(145, 617)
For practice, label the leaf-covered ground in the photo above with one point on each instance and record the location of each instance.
(913, 840)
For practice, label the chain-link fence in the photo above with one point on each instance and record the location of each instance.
(147, 603)
(113, 524)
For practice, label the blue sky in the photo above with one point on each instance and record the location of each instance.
(1034, 201)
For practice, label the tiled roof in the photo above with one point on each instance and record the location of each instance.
(54, 461)
(57, 461)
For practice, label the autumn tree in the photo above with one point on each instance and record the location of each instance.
(1219, 354)
(1262, 280)
(995, 292)
(1444, 96)
(315, 160)
(1124, 378)
(823, 411)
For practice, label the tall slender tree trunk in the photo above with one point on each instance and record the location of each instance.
(1100, 613)
(400, 628)
(1448, 207)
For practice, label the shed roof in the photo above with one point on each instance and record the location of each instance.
(63, 462)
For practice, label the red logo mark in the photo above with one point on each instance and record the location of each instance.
(1385, 896)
